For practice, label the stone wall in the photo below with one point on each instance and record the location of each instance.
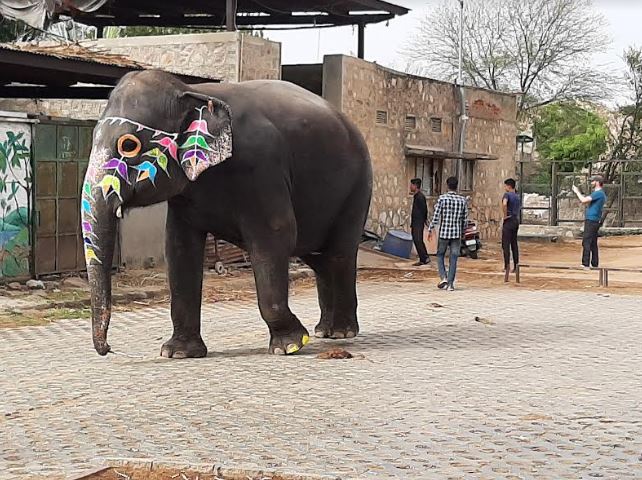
(65, 108)
(227, 56)
(492, 129)
(360, 89)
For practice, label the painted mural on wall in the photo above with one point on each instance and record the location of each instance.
(15, 193)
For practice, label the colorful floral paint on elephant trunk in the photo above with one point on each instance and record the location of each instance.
(105, 175)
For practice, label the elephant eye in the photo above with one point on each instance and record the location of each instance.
(129, 146)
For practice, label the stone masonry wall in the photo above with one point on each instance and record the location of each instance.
(260, 59)
(77, 109)
(492, 129)
(366, 88)
(227, 56)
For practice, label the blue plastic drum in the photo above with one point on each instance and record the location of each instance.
(398, 243)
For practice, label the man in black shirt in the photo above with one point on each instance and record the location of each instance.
(419, 217)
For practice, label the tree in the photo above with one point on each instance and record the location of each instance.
(569, 134)
(626, 137)
(16, 30)
(538, 48)
(566, 131)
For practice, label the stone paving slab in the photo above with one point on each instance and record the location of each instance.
(546, 386)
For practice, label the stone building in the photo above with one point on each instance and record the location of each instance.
(411, 126)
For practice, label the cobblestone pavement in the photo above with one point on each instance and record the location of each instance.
(546, 386)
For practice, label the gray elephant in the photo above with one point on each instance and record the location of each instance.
(265, 165)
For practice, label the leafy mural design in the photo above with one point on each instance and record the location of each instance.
(15, 192)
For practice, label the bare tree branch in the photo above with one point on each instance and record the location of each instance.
(541, 49)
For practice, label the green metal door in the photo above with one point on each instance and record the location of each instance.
(61, 154)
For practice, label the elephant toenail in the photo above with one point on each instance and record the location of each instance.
(278, 351)
(319, 334)
(351, 335)
(339, 335)
(292, 348)
(305, 340)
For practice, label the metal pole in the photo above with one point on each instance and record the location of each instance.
(462, 95)
(361, 41)
(461, 42)
(230, 15)
(521, 185)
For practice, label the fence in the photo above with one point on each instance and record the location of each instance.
(548, 199)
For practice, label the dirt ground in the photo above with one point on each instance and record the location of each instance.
(486, 272)
(623, 252)
(131, 473)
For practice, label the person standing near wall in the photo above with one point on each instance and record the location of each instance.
(594, 206)
(418, 220)
(451, 213)
(511, 207)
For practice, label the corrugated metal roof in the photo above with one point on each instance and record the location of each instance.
(76, 52)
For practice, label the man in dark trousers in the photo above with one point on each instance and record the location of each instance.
(418, 219)
(594, 205)
(511, 207)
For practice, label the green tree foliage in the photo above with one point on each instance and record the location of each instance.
(565, 131)
(12, 30)
(569, 134)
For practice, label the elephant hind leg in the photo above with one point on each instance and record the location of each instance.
(336, 276)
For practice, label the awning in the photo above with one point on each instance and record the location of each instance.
(65, 71)
(437, 153)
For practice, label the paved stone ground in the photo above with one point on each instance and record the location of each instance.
(547, 386)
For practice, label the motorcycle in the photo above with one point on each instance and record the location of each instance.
(471, 245)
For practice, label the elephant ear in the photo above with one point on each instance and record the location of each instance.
(207, 139)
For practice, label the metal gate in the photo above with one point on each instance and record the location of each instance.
(555, 202)
(61, 151)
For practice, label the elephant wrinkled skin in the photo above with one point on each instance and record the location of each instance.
(265, 165)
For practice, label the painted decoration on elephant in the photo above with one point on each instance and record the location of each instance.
(15, 192)
(202, 149)
(106, 174)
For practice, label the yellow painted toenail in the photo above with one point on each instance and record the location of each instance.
(292, 348)
(305, 340)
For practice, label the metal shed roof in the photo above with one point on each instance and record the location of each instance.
(64, 71)
(212, 13)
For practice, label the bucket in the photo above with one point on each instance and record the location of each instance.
(398, 243)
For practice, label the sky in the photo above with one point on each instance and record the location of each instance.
(383, 42)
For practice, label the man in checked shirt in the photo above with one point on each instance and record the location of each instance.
(451, 214)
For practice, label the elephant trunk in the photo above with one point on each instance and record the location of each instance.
(100, 281)
(100, 202)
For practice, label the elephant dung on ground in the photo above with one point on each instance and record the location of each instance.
(265, 165)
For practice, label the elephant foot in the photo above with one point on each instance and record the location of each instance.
(336, 331)
(289, 343)
(182, 347)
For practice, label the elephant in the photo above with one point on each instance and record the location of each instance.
(263, 164)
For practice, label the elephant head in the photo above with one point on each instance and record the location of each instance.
(155, 136)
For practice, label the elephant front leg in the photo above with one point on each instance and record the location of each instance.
(184, 249)
(287, 334)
